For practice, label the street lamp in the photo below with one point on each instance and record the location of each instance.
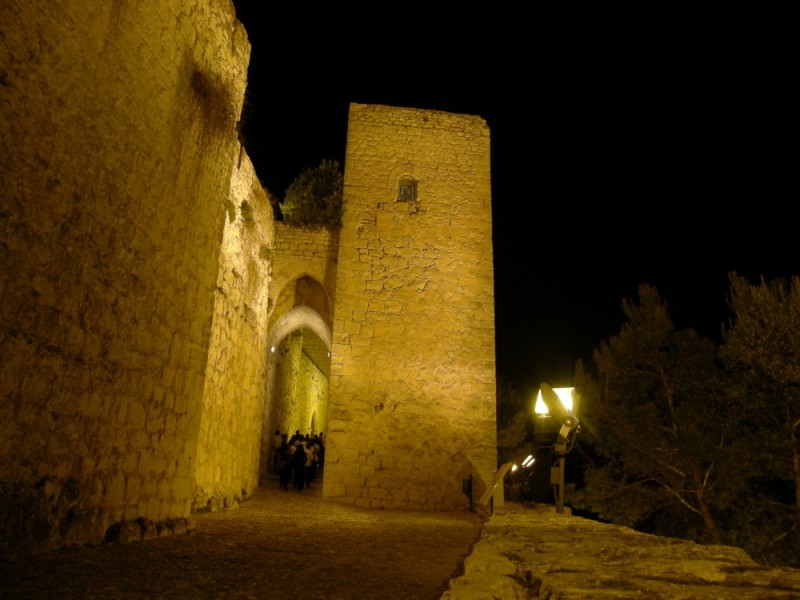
(557, 403)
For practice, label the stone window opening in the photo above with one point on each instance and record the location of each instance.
(407, 189)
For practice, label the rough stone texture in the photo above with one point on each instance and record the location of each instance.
(117, 143)
(278, 544)
(303, 254)
(301, 389)
(137, 252)
(294, 545)
(233, 402)
(530, 551)
(302, 293)
(132, 344)
(412, 387)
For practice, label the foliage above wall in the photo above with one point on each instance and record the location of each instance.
(314, 199)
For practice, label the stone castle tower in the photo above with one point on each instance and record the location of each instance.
(412, 385)
(144, 285)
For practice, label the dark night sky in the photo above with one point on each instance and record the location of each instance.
(668, 156)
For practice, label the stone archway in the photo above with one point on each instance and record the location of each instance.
(298, 368)
(298, 318)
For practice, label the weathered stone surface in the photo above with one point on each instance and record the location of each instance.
(286, 544)
(280, 544)
(412, 386)
(137, 250)
(118, 139)
(235, 377)
(530, 551)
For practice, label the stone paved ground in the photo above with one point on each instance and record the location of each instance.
(293, 545)
(529, 551)
(279, 544)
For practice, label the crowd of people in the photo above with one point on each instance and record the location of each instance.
(297, 460)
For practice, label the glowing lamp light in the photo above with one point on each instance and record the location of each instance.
(525, 464)
(559, 401)
(564, 394)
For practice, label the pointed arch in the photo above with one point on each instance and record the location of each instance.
(298, 318)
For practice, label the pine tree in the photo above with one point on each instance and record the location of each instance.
(314, 198)
(666, 433)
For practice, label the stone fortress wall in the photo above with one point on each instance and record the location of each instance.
(300, 320)
(144, 283)
(304, 253)
(228, 453)
(412, 387)
(299, 399)
(117, 144)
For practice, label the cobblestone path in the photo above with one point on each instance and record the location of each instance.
(280, 544)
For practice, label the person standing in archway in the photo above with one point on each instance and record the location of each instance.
(285, 462)
(320, 440)
(299, 465)
(311, 461)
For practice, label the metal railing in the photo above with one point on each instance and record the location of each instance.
(494, 496)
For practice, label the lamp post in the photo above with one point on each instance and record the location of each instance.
(558, 404)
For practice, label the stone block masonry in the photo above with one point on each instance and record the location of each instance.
(233, 400)
(412, 387)
(117, 143)
(300, 394)
(303, 253)
(302, 292)
(143, 282)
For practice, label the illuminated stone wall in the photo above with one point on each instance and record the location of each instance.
(302, 293)
(303, 252)
(143, 281)
(233, 402)
(301, 398)
(412, 387)
(117, 143)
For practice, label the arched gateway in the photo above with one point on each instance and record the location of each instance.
(147, 284)
(410, 409)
